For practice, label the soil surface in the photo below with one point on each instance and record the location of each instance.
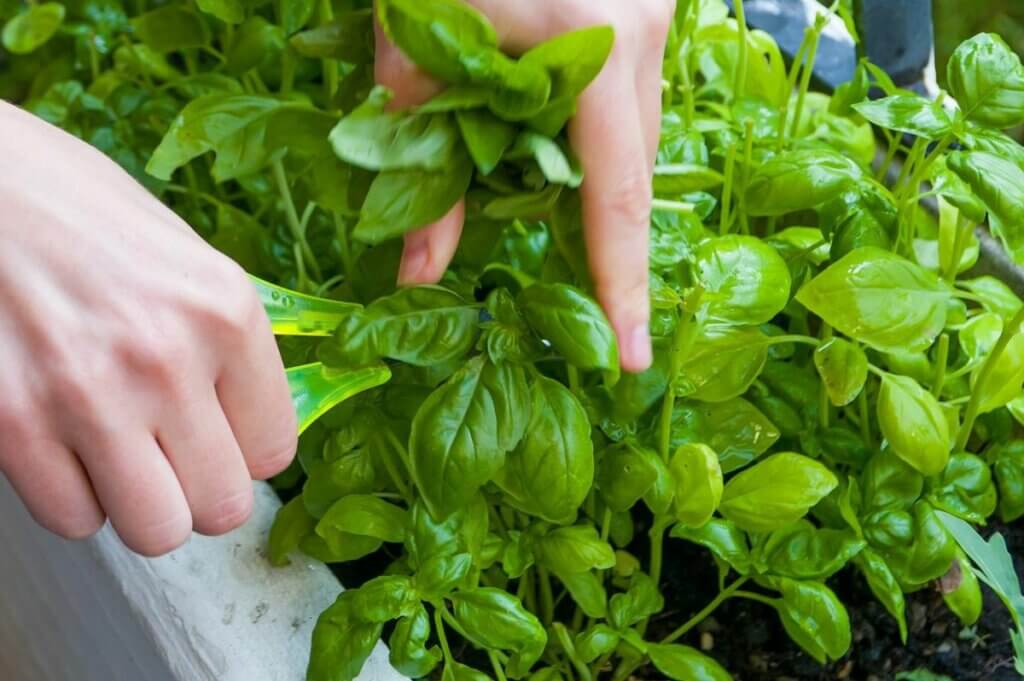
(748, 639)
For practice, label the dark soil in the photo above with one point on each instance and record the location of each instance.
(748, 639)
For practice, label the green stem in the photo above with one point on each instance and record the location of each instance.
(751, 596)
(741, 69)
(805, 80)
(865, 416)
(574, 380)
(393, 472)
(547, 601)
(748, 161)
(890, 156)
(680, 344)
(725, 214)
(722, 596)
(963, 227)
(657, 547)
(496, 664)
(680, 207)
(824, 405)
(347, 261)
(794, 70)
(941, 359)
(974, 405)
(292, 217)
(606, 524)
(570, 650)
(442, 639)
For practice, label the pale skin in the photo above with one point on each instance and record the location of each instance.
(140, 379)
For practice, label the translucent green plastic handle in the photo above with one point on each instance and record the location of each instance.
(316, 388)
(297, 314)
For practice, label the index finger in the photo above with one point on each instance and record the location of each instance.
(607, 135)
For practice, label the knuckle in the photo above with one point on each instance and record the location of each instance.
(226, 515)
(158, 357)
(158, 538)
(630, 198)
(278, 460)
(239, 309)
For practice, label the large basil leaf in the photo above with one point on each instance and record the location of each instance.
(914, 424)
(551, 471)
(798, 180)
(814, 618)
(987, 79)
(423, 326)
(461, 433)
(999, 183)
(493, 618)
(574, 323)
(880, 299)
(744, 280)
(776, 492)
(375, 139)
(908, 113)
(735, 429)
(722, 362)
(341, 642)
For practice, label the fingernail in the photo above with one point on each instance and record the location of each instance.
(636, 350)
(414, 260)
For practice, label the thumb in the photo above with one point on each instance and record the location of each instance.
(392, 69)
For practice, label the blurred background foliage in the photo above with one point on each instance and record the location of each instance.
(957, 20)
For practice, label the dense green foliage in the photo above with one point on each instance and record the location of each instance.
(826, 379)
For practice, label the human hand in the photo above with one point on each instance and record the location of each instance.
(139, 374)
(615, 134)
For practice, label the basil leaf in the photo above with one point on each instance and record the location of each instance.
(884, 586)
(998, 183)
(798, 180)
(486, 136)
(625, 473)
(736, 429)
(775, 492)
(685, 663)
(574, 324)
(913, 423)
(906, 113)
(291, 524)
(965, 488)
(362, 515)
(342, 642)
(1009, 474)
(987, 80)
(493, 618)
(803, 551)
(744, 280)
(587, 591)
(575, 549)
(423, 326)
(698, 480)
(639, 602)
(348, 38)
(171, 28)
(723, 538)
(880, 299)
(843, 368)
(436, 577)
(551, 471)
(814, 618)
(722, 363)
(595, 641)
(31, 29)
(408, 652)
(461, 433)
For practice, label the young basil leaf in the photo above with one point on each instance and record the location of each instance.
(486, 136)
(375, 139)
(464, 531)
(436, 577)
(517, 554)
(1008, 467)
(880, 299)
(423, 326)
(575, 325)
(987, 79)
(965, 488)
(453, 671)
(551, 471)
(31, 29)
(553, 162)
(843, 368)
(722, 363)
(673, 179)
(961, 591)
(999, 183)
(348, 38)
(402, 200)
(255, 43)
(493, 618)
(906, 113)
(725, 541)
(362, 515)
(291, 524)
(927, 555)
(798, 180)
(587, 590)
(803, 551)
(685, 663)
(329, 481)
(1005, 382)
(574, 549)
(639, 602)
(913, 423)
(744, 280)
(171, 28)
(995, 295)
(385, 598)
(463, 430)
(775, 492)
(735, 429)
(698, 479)
(341, 642)
(888, 482)
(884, 586)
(814, 618)
(408, 651)
(626, 473)
(595, 641)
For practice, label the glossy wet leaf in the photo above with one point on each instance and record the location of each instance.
(798, 180)
(910, 114)
(495, 619)
(815, 619)
(987, 80)
(685, 663)
(722, 363)
(744, 281)
(775, 492)
(735, 428)
(912, 421)
(843, 368)
(998, 183)
(723, 538)
(698, 479)
(880, 299)
(342, 642)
